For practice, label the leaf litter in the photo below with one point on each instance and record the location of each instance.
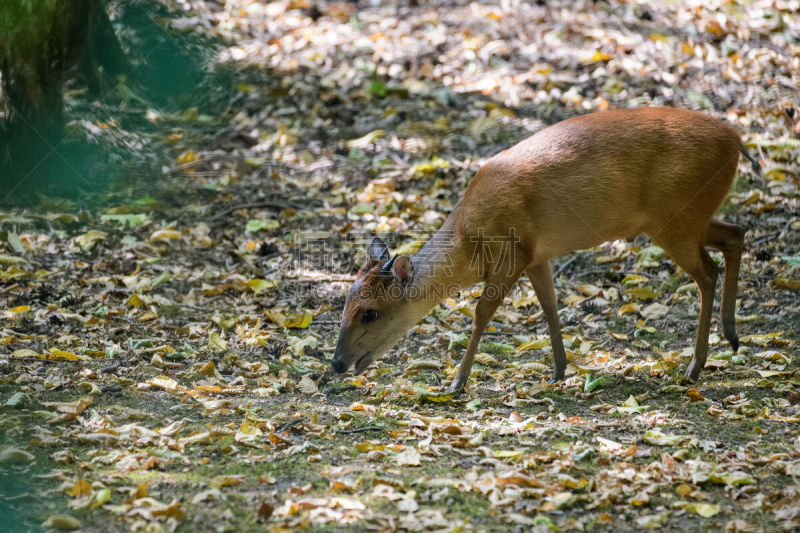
(166, 366)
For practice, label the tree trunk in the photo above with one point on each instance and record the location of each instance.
(40, 42)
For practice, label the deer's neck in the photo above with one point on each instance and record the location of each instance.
(439, 268)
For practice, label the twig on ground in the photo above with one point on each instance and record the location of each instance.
(371, 427)
(254, 205)
(563, 266)
(110, 368)
(287, 425)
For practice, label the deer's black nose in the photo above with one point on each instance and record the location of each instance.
(339, 366)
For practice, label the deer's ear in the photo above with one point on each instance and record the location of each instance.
(378, 250)
(403, 270)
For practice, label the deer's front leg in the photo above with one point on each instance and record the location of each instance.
(491, 298)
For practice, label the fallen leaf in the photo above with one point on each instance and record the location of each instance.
(706, 510)
(216, 342)
(61, 521)
(408, 457)
(80, 488)
(10, 455)
(165, 235)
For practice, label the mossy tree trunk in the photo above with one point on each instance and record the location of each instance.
(42, 43)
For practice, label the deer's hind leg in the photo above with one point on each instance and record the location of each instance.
(541, 276)
(688, 252)
(728, 239)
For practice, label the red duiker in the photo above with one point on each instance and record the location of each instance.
(576, 184)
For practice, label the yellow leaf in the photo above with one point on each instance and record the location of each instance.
(62, 355)
(437, 397)
(80, 488)
(570, 482)
(61, 521)
(427, 167)
(6, 259)
(19, 309)
(642, 293)
(597, 57)
(634, 279)
(259, 285)
(134, 301)
(712, 26)
(165, 235)
(250, 427)
(245, 87)
(217, 343)
(211, 290)
(589, 290)
(149, 315)
(465, 309)
(762, 340)
(298, 320)
(100, 497)
(173, 510)
(366, 140)
(141, 490)
(486, 359)
(284, 137)
(227, 481)
(186, 157)
(529, 368)
(209, 370)
(226, 323)
(358, 406)
(163, 382)
(190, 115)
(275, 316)
(24, 352)
(255, 162)
(524, 301)
(367, 446)
(785, 283)
(694, 395)
(628, 308)
(88, 240)
(630, 402)
(508, 454)
(706, 510)
(536, 344)
(174, 137)
(543, 68)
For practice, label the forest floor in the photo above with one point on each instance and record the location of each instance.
(165, 348)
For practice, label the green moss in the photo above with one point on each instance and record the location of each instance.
(469, 504)
(170, 311)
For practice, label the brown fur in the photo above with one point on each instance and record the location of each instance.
(581, 182)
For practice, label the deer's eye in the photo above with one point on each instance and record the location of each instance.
(369, 315)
